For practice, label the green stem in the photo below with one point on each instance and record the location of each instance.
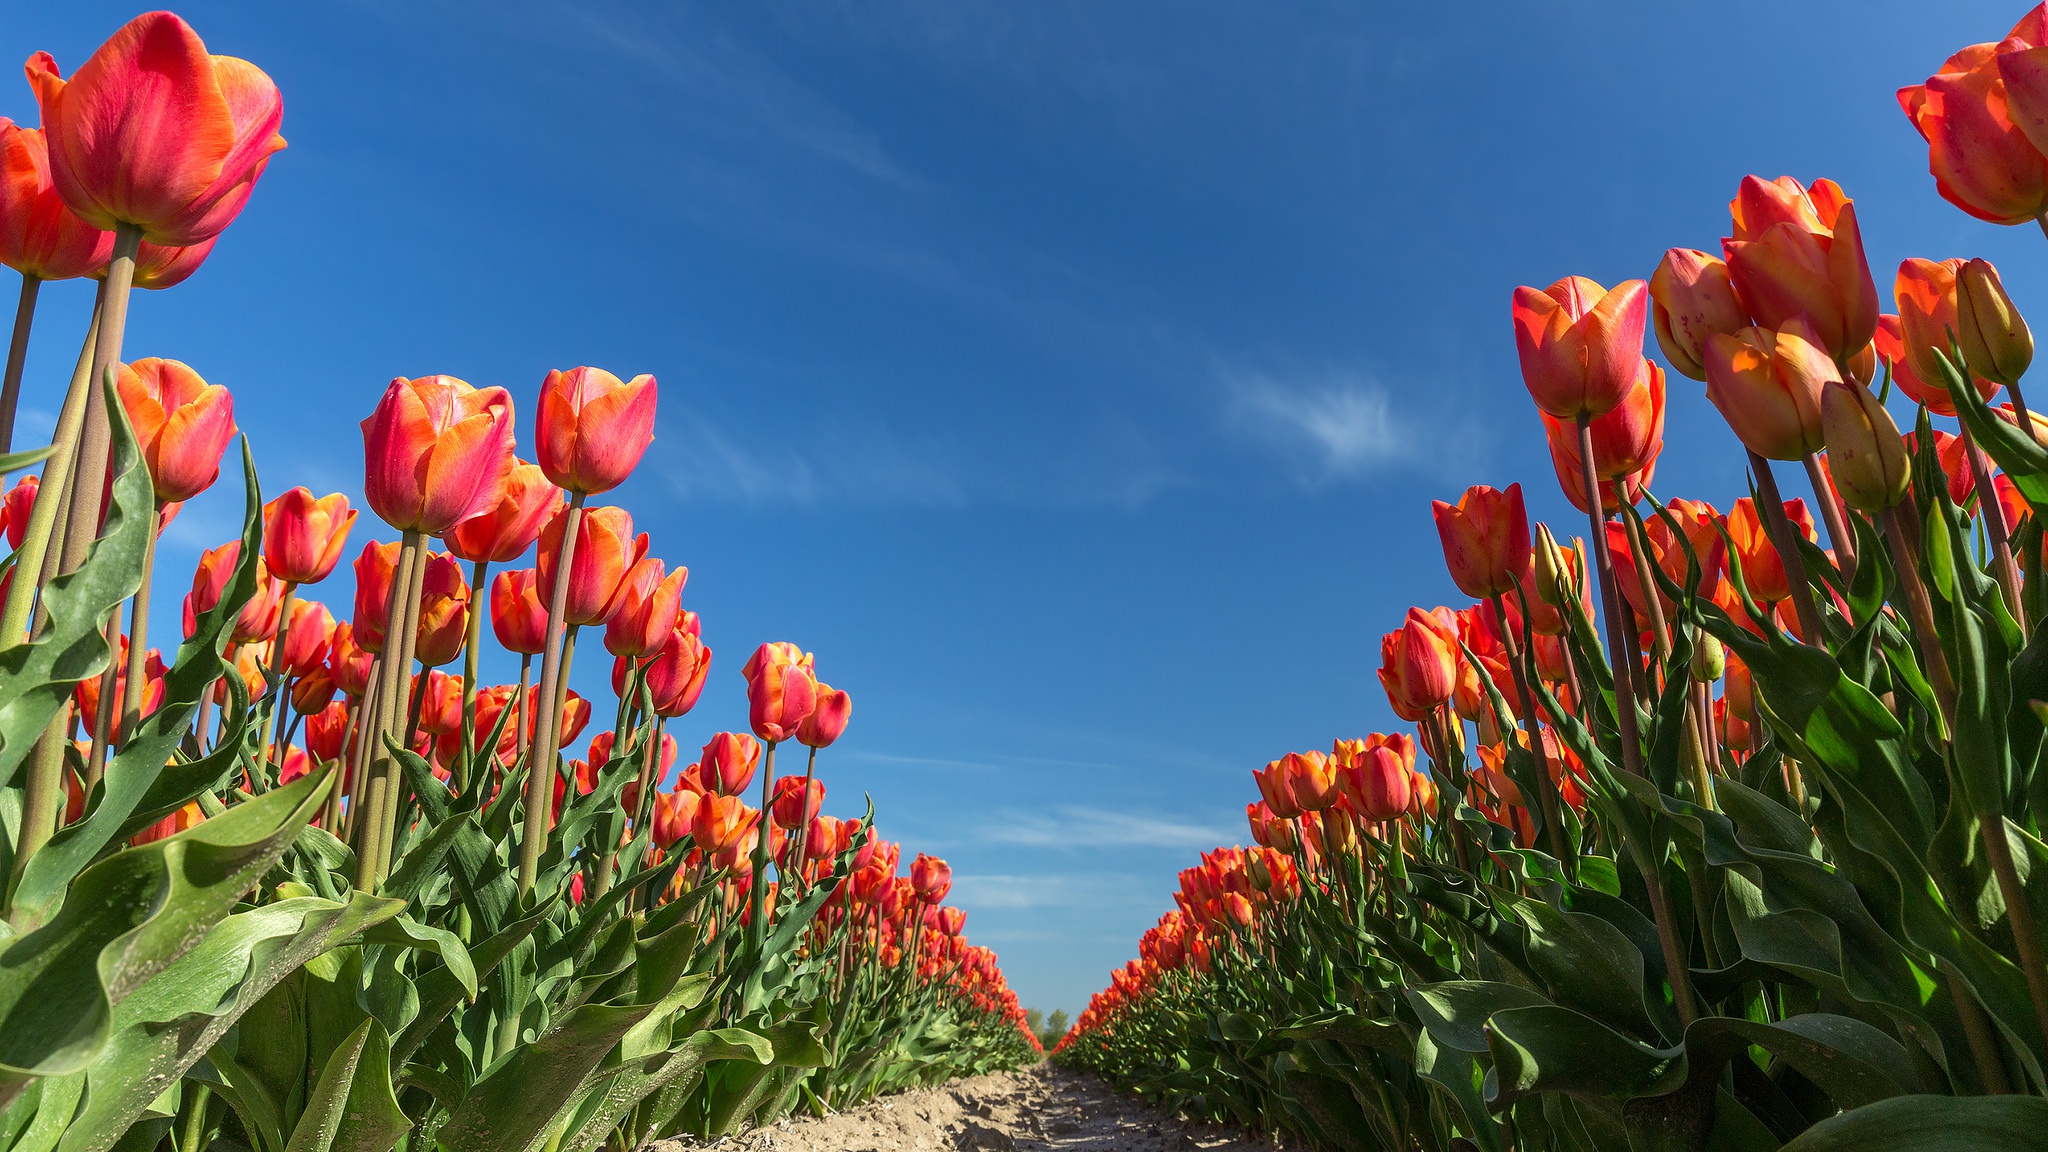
(17, 355)
(757, 889)
(138, 636)
(276, 666)
(408, 643)
(540, 771)
(389, 691)
(50, 501)
(95, 443)
(472, 655)
(1786, 541)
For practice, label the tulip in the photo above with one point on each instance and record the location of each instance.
(1277, 790)
(674, 815)
(648, 606)
(504, 533)
(159, 267)
(1692, 300)
(1310, 779)
(1890, 344)
(1485, 538)
(438, 452)
(781, 691)
(1378, 781)
(605, 551)
(518, 618)
(721, 823)
(1866, 456)
(728, 763)
(183, 423)
(308, 636)
(797, 801)
(1996, 342)
(20, 504)
(1928, 315)
(1767, 385)
(154, 133)
(303, 536)
(1975, 116)
(827, 719)
(326, 729)
(1797, 252)
(1419, 665)
(931, 878)
(313, 691)
(1626, 443)
(374, 568)
(444, 611)
(1763, 570)
(441, 707)
(260, 616)
(40, 237)
(347, 662)
(592, 428)
(675, 676)
(1580, 344)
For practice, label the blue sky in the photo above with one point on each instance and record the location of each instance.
(1072, 378)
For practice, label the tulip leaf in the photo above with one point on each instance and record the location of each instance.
(1931, 1124)
(351, 1108)
(1547, 1048)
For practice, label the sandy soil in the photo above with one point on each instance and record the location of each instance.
(1045, 1108)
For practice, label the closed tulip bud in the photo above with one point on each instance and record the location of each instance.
(1260, 818)
(1310, 780)
(1692, 299)
(1558, 572)
(1866, 456)
(728, 763)
(504, 533)
(1419, 665)
(21, 503)
(441, 708)
(781, 690)
(606, 550)
(593, 427)
(1797, 252)
(307, 637)
(154, 132)
(183, 423)
(828, 718)
(797, 801)
(674, 814)
(931, 878)
(1580, 344)
(374, 567)
(260, 616)
(437, 452)
(347, 661)
(1626, 443)
(1485, 538)
(649, 603)
(1978, 115)
(675, 676)
(1238, 909)
(1762, 569)
(1709, 659)
(303, 536)
(1277, 789)
(39, 235)
(444, 611)
(312, 691)
(519, 618)
(1996, 342)
(1767, 386)
(1378, 783)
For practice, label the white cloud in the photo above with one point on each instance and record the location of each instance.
(1043, 890)
(1076, 827)
(1333, 427)
(840, 464)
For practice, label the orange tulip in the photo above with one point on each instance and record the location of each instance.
(606, 550)
(674, 815)
(1378, 782)
(1767, 386)
(1692, 299)
(303, 536)
(781, 690)
(21, 503)
(648, 606)
(593, 428)
(1890, 344)
(728, 763)
(441, 708)
(347, 662)
(87, 692)
(1926, 292)
(676, 674)
(722, 823)
(39, 235)
(313, 691)
(1419, 664)
(1276, 788)
(1979, 115)
(444, 611)
(1763, 571)
(308, 637)
(1310, 779)
(1797, 252)
(1867, 462)
(325, 730)
(374, 569)
(1626, 444)
(161, 267)
(506, 531)
(438, 452)
(184, 425)
(931, 878)
(1486, 539)
(827, 719)
(1580, 344)
(519, 618)
(260, 616)
(797, 801)
(154, 132)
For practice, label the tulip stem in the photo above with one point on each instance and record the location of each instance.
(1546, 795)
(803, 842)
(407, 642)
(276, 665)
(2022, 413)
(103, 716)
(388, 691)
(1617, 648)
(17, 355)
(1991, 514)
(525, 687)
(332, 820)
(50, 503)
(1786, 541)
(1639, 551)
(1839, 532)
(472, 656)
(1998, 851)
(357, 748)
(1900, 536)
(95, 443)
(138, 636)
(540, 769)
(757, 887)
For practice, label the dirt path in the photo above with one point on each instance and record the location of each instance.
(1046, 1108)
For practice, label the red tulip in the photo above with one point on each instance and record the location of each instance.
(828, 718)
(1486, 539)
(441, 709)
(1890, 344)
(1419, 664)
(648, 606)
(593, 428)
(260, 616)
(303, 536)
(1626, 444)
(519, 618)
(39, 235)
(675, 675)
(21, 503)
(1378, 781)
(1310, 780)
(797, 801)
(159, 267)
(438, 452)
(444, 611)
(87, 692)
(1580, 344)
(606, 550)
(1981, 116)
(728, 763)
(374, 569)
(781, 691)
(307, 637)
(931, 877)
(313, 691)
(1763, 571)
(1797, 252)
(722, 823)
(347, 661)
(325, 730)
(505, 532)
(1692, 300)
(675, 814)
(154, 132)
(1277, 790)
(183, 423)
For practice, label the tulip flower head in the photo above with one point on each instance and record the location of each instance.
(606, 550)
(1485, 538)
(797, 801)
(781, 690)
(1797, 253)
(1866, 456)
(1692, 300)
(519, 618)
(1277, 790)
(728, 763)
(437, 452)
(444, 611)
(1763, 571)
(931, 877)
(40, 235)
(592, 428)
(1419, 664)
(303, 536)
(183, 423)
(1997, 344)
(1580, 344)
(1310, 780)
(675, 676)
(649, 604)
(348, 663)
(722, 823)
(1626, 444)
(308, 637)
(155, 133)
(20, 505)
(506, 531)
(1982, 117)
(1767, 385)
(828, 718)
(374, 569)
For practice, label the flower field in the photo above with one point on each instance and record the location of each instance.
(1706, 835)
(301, 881)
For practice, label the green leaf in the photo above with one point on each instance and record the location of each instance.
(1551, 1049)
(1931, 1124)
(352, 1108)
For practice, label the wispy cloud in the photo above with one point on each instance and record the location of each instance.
(1077, 827)
(1332, 426)
(846, 463)
(1052, 889)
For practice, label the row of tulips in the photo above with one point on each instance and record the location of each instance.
(1763, 869)
(309, 883)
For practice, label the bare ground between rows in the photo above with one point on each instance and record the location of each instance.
(1044, 1108)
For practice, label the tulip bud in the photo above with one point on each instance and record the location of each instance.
(931, 878)
(781, 690)
(606, 550)
(444, 611)
(518, 617)
(1485, 538)
(828, 718)
(183, 423)
(1580, 344)
(592, 427)
(797, 801)
(374, 572)
(1709, 659)
(1692, 299)
(508, 529)
(1419, 665)
(303, 536)
(1556, 577)
(1866, 455)
(437, 452)
(1996, 342)
(1767, 386)
(728, 763)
